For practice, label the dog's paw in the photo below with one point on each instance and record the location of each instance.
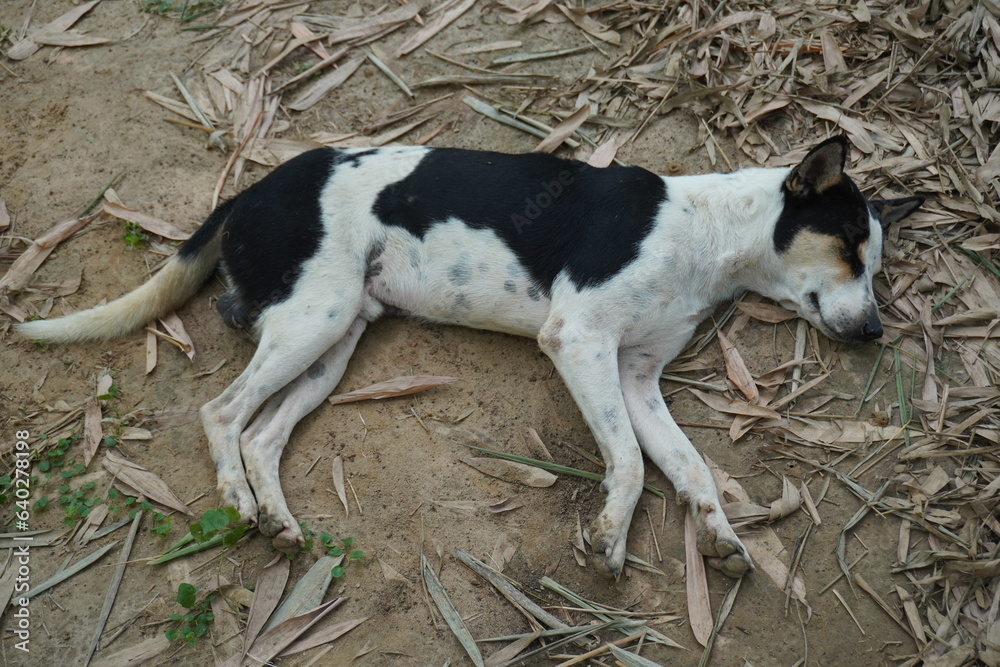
(718, 541)
(608, 546)
(240, 497)
(286, 534)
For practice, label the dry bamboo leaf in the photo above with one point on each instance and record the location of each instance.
(103, 389)
(859, 135)
(400, 386)
(737, 370)
(142, 653)
(563, 130)
(699, 606)
(604, 154)
(20, 272)
(66, 573)
(148, 222)
(315, 92)
(178, 335)
(788, 503)
(266, 595)
(434, 27)
(504, 506)
(338, 483)
(144, 482)
(151, 352)
(511, 471)
(4, 216)
(582, 20)
(503, 551)
(833, 58)
(308, 592)
(527, 13)
(29, 45)
(320, 637)
(392, 574)
(376, 24)
(69, 38)
(487, 48)
(733, 407)
(279, 638)
(449, 613)
(92, 433)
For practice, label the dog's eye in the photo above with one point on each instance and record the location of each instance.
(814, 300)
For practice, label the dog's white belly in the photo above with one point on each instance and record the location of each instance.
(458, 275)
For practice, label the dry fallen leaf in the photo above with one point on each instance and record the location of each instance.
(511, 471)
(142, 482)
(400, 386)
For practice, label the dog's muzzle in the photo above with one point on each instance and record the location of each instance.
(870, 329)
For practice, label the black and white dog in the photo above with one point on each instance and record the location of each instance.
(610, 269)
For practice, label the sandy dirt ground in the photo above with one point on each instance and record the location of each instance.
(71, 119)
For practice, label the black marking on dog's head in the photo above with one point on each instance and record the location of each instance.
(553, 214)
(819, 197)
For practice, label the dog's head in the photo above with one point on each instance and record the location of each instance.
(828, 240)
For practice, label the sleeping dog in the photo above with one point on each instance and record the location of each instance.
(609, 269)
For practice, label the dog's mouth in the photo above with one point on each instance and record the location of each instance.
(813, 313)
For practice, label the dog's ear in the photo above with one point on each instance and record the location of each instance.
(821, 169)
(894, 210)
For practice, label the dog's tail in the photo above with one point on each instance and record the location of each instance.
(179, 279)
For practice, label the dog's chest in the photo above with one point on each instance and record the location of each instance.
(458, 275)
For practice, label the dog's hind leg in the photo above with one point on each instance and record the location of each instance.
(293, 334)
(587, 360)
(261, 444)
(667, 446)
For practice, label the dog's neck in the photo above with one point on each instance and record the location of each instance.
(736, 213)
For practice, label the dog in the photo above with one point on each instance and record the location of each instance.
(611, 270)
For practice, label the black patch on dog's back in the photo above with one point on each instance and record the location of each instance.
(552, 213)
(840, 211)
(270, 230)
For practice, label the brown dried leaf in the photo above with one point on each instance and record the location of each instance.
(338, 482)
(144, 482)
(698, 603)
(148, 222)
(737, 370)
(563, 130)
(434, 27)
(24, 267)
(266, 595)
(733, 407)
(400, 386)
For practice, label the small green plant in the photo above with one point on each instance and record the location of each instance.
(194, 623)
(214, 522)
(342, 549)
(134, 237)
(162, 524)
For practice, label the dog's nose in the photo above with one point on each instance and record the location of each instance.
(872, 328)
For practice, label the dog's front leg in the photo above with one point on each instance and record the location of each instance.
(667, 446)
(588, 362)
